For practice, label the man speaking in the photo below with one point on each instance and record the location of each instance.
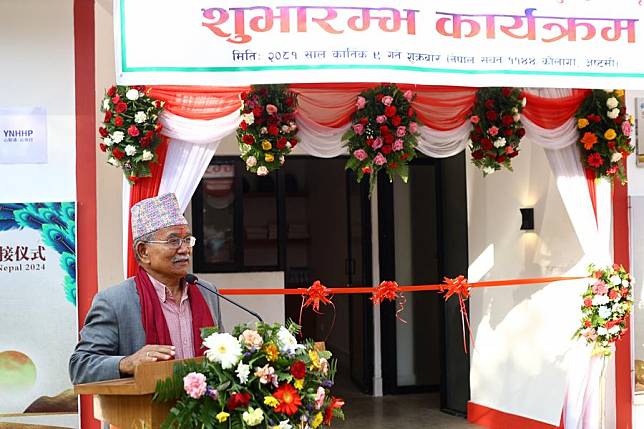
(154, 315)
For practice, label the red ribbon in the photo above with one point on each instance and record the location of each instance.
(389, 291)
(312, 297)
(460, 288)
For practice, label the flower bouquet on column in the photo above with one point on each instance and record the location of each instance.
(130, 130)
(257, 376)
(496, 128)
(384, 134)
(267, 131)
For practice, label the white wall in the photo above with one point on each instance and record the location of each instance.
(522, 333)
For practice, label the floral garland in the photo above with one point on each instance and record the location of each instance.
(130, 130)
(255, 377)
(496, 128)
(267, 132)
(607, 305)
(605, 133)
(384, 133)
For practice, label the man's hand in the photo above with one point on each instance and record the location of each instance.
(148, 353)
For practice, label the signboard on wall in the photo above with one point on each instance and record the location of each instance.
(538, 43)
(23, 135)
(37, 313)
(639, 139)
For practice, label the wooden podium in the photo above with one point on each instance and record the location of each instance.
(127, 402)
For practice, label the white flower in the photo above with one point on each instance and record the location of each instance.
(263, 130)
(488, 170)
(249, 118)
(602, 331)
(616, 157)
(614, 330)
(118, 136)
(251, 161)
(282, 159)
(612, 102)
(253, 416)
(113, 161)
(604, 312)
(242, 372)
(625, 283)
(499, 142)
(284, 424)
(617, 308)
(108, 141)
(285, 129)
(600, 300)
(616, 280)
(132, 94)
(130, 150)
(262, 171)
(223, 348)
(288, 145)
(106, 103)
(140, 117)
(147, 155)
(287, 342)
(516, 117)
(524, 101)
(613, 113)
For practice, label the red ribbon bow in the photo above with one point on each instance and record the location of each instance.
(389, 290)
(460, 288)
(312, 297)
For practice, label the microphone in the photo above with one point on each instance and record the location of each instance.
(193, 280)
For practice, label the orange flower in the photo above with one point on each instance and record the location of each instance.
(289, 399)
(271, 352)
(589, 139)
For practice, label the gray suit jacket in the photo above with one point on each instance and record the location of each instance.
(113, 330)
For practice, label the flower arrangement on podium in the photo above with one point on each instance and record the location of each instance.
(258, 376)
(130, 130)
(496, 128)
(605, 133)
(384, 133)
(267, 131)
(606, 307)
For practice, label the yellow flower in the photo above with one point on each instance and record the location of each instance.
(269, 157)
(631, 119)
(271, 401)
(582, 123)
(299, 383)
(315, 359)
(619, 92)
(317, 420)
(266, 145)
(610, 134)
(222, 417)
(272, 353)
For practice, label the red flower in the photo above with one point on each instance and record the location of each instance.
(117, 153)
(112, 91)
(386, 149)
(244, 95)
(257, 111)
(273, 130)
(379, 97)
(513, 154)
(507, 120)
(298, 369)
(103, 147)
(118, 121)
(281, 142)
(508, 132)
(364, 120)
(108, 116)
(120, 107)
(116, 99)
(238, 400)
(491, 115)
(290, 101)
(613, 294)
(477, 154)
(384, 130)
(132, 178)
(500, 159)
(366, 170)
(328, 413)
(293, 142)
(506, 92)
(521, 132)
(624, 291)
(486, 143)
(396, 120)
(243, 125)
(587, 323)
(389, 138)
(158, 127)
(588, 302)
(390, 111)
(289, 399)
(248, 139)
(489, 104)
(133, 131)
(157, 104)
(404, 156)
(410, 112)
(595, 160)
(103, 132)
(145, 141)
(393, 165)
(611, 145)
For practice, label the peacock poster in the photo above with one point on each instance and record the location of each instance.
(37, 314)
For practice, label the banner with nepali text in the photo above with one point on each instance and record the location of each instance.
(538, 43)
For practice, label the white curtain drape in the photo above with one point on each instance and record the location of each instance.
(443, 144)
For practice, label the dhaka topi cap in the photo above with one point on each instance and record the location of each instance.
(153, 214)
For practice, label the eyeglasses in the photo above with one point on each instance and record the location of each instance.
(176, 242)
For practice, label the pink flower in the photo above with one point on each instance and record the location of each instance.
(474, 119)
(626, 128)
(381, 119)
(408, 95)
(493, 131)
(266, 375)
(194, 384)
(398, 145)
(380, 159)
(387, 100)
(413, 127)
(401, 131)
(361, 102)
(360, 154)
(377, 143)
(270, 109)
(600, 288)
(358, 129)
(319, 398)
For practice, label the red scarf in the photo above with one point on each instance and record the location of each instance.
(154, 323)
